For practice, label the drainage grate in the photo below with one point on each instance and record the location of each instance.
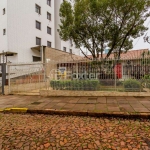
(36, 103)
(92, 98)
(139, 96)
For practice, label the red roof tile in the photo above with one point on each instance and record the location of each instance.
(131, 54)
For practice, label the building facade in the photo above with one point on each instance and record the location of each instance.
(25, 24)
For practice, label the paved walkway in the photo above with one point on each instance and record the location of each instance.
(78, 105)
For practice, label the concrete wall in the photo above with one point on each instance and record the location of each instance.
(90, 93)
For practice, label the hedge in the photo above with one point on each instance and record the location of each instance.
(86, 85)
(132, 85)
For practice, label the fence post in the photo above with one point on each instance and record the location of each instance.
(9, 79)
(3, 77)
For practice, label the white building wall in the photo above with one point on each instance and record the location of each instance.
(3, 25)
(21, 32)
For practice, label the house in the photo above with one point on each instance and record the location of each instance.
(133, 63)
(25, 24)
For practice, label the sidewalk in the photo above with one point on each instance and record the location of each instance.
(85, 106)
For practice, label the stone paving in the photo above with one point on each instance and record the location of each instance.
(53, 132)
(91, 104)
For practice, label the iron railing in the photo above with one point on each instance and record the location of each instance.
(124, 75)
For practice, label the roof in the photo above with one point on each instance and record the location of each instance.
(8, 53)
(131, 54)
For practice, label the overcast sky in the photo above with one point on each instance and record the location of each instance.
(139, 42)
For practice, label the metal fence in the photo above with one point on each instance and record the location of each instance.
(25, 77)
(124, 75)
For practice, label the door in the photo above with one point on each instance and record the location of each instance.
(118, 71)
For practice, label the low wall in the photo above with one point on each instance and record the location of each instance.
(90, 93)
(18, 88)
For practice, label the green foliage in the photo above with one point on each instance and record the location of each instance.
(87, 85)
(132, 85)
(94, 24)
(146, 81)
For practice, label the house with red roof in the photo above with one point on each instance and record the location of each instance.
(132, 64)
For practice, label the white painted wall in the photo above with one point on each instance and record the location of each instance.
(3, 25)
(21, 32)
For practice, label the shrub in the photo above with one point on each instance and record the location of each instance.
(146, 81)
(132, 85)
(87, 85)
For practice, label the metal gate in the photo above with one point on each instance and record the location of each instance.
(25, 78)
(2, 77)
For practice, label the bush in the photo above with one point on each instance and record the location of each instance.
(132, 85)
(87, 85)
(146, 81)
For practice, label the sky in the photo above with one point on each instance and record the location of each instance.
(139, 42)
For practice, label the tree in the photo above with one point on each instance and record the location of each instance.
(147, 39)
(95, 24)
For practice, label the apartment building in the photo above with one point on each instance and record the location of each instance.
(27, 24)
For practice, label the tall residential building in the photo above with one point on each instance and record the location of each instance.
(27, 24)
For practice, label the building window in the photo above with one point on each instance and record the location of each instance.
(38, 9)
(4, 11)
(49, 2)
(64, 49)
(35, 58)
(38, 41)
(48, 16)
(38, 25)
(70, 51)
(4, 31)
(48, 30)
(49, 44)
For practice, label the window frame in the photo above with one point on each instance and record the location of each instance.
(70, 51)
(37, 38)
(36, 58)
(4, 31)
(49, 30)
(49, 3)
(64, 49)
(48, 44)
(49, 14)
(36, 8)
(36, 22)
(4, 11)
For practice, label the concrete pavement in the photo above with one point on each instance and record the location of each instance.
(91, 106)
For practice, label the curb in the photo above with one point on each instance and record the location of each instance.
(78, 113)
(15, 110)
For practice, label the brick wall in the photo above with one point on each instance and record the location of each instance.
(57, 56)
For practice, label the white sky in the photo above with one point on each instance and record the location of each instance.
(139, 42)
